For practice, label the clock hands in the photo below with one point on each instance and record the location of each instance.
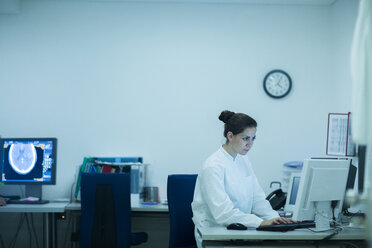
(278, 83)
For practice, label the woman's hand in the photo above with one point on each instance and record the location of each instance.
(276, 221)
(2, 201)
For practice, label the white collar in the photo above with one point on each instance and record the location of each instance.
(228, 155)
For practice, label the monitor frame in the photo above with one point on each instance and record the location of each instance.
(53, 166)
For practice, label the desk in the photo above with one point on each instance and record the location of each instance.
(220, 236)
(136, 207)
(49, 221)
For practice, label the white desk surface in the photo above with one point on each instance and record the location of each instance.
(221, 233)
(136, 207)
(51, 207)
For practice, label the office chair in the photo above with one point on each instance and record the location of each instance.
(106, 212)
(180, 191)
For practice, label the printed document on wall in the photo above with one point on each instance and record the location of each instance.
(339, 140)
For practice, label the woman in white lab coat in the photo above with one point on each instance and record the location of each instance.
(227, 190)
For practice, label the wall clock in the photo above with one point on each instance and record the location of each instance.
(277, 84)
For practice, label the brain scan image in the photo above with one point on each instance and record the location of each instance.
(22, 157)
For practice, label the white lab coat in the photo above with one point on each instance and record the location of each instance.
(227, 191)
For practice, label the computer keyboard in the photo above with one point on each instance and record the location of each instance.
(27, 202)
(286, 227)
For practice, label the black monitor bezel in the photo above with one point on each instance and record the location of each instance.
(54, 162)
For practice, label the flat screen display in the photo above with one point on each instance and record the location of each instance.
(28, 160)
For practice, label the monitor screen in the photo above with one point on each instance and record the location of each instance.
(294, 183)
(28, 160)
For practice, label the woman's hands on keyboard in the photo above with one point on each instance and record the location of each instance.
(277, 221)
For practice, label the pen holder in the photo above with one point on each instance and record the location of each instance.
(151, 195)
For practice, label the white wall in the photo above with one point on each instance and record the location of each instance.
(343, 17)
(150, 79)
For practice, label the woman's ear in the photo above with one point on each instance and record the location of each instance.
(229, 135)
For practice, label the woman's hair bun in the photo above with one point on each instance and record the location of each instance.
(225, 116)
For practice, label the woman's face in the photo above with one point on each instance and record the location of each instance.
(241, 143)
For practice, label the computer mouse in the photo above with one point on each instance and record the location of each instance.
(236, 226)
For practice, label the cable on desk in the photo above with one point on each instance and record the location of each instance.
(336, 231)
(333, 206)
(349, 245)
(351, 214)
(333, 220)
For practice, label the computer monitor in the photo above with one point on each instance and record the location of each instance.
(28, 161)
(322, 187)
(294, 183)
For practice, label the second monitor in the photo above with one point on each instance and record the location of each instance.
(30, 162)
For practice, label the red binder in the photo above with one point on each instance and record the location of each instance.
(106, 168)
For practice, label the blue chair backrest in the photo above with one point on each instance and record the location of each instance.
(119, 185)
(180, 193)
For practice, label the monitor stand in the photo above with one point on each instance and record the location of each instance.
(30, 191)
(322, 215)
(34, 191)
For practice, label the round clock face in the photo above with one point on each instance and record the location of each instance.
(277, 83)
